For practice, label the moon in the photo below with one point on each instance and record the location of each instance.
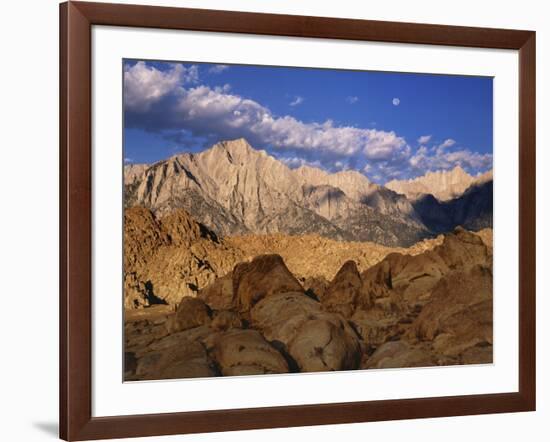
(396, 101)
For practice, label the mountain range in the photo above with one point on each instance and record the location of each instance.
(443, 185)
(234, 189)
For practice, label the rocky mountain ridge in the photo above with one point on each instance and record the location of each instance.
(234, 189)
(442, 185)
(472, 210)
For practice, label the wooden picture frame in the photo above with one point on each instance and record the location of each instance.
(76, 21)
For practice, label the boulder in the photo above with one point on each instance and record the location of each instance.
(314, 340)
(187, 359)
(346, 292)
(144, 326)
(323, 344)
(374, 327)
(459, 301)
(219, 294)
(191, 312)
(415, 276)
(199, 334)
(280, 316)
(463, 249)
(264, 276)
(315, 287)
(246, 352)
(459, 315)
(225, 320)
(399, 354)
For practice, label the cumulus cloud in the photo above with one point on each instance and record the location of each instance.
(440, 149)
(447, 143)
(422, 150)
(424, 139)
(145, 85)
(297, 101)
(423, 160)
(352, 99)
(396, 101)
(218, 69)
(294, 162)
(172, 103)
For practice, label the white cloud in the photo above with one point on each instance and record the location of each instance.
(144, 85)
(422, 150)
(297, 101)
(447, 143)
(294, 162)
(424, 139)
(218, 69)
(128, 160)
(382, 145)
(340, 165)
(396, 101)
(439, 149)
(352, 99)
(445, 160)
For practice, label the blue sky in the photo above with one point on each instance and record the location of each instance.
(385, 125)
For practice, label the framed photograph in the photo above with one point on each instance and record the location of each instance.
(272, 221)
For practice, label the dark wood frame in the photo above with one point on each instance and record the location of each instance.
(76, 421)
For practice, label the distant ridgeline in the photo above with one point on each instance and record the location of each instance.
(234, 189)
